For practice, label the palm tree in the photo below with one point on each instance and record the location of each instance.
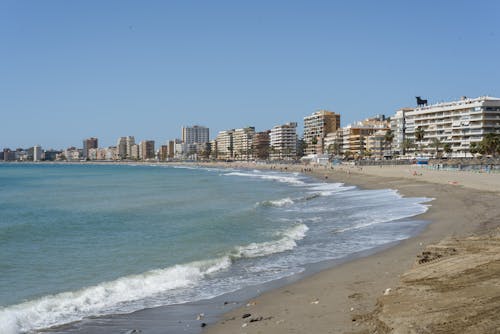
(388, 138)
(491, 144)
(447, 148)
(436, 143)
(419, 136)
(406, 145)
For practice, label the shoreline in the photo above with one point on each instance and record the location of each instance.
(319, 300)
(332, 301)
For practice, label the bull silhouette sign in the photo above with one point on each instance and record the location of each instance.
(421, 102)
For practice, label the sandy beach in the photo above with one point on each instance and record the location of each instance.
(444, 280)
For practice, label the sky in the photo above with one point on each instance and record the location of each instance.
(76, 69)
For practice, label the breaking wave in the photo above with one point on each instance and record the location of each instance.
(120, 294)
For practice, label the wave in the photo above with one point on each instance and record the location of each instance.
(103, 298)
(274, 177)
(278, 202)
(119, 295)
(288, 201)
(288, 241)
(328, 189)
(387, 218)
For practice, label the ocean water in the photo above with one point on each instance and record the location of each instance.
(88, 240)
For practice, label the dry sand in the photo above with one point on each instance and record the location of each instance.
(451, 288)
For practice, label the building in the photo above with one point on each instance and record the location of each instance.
(457, 123)
(130, 142)
(72, 154)
(87, 145)
(283, 142)
(195, 134)
(376, 145)
(51, 155)
(121, 148)
(354, 136)
(224, 144)
(171, 149)
(242, 143)
(9, 155)
(260, 145)
(163, 152)
(333, 142)
(135, 152)
(37, 153)
(147, 150)
(398, 128)
(316, 127)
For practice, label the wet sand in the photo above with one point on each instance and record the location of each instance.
(349, 298)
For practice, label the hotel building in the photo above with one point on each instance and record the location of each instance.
(316, 127)
(458, 123)
(283, 142)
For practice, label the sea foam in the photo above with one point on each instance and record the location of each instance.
(284, 178)
(288, 241)
(103, 298)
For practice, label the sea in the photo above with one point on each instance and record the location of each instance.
(83, 240)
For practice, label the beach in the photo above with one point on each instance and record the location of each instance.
(365, 295)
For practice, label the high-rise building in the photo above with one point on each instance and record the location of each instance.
(195, 134)
(37, 153)
(135, 152)
(260, 145)
(283, 142)
(171, 149)
(317, 126)
(87, 145)
(130, 141)
(163, 152)
(457, 123)
(121, 148)
(147, 149)
(224, 144)
(398, 128)
(242, 143)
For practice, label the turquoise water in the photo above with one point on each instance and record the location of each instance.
(86, 240)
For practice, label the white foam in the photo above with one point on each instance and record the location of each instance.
(278, 202)
(288, 241)
(328, 189)
(103, 298)
(284, 178)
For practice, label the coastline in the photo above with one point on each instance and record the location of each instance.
(337, 292)
(337, 300)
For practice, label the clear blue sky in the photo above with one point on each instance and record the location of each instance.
(75, 69)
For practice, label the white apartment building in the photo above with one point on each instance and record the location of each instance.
(242, 143)
(37, 153)
(458, 123)
(398, 128)
(283, 142)
(224, 144)
(195, 134)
